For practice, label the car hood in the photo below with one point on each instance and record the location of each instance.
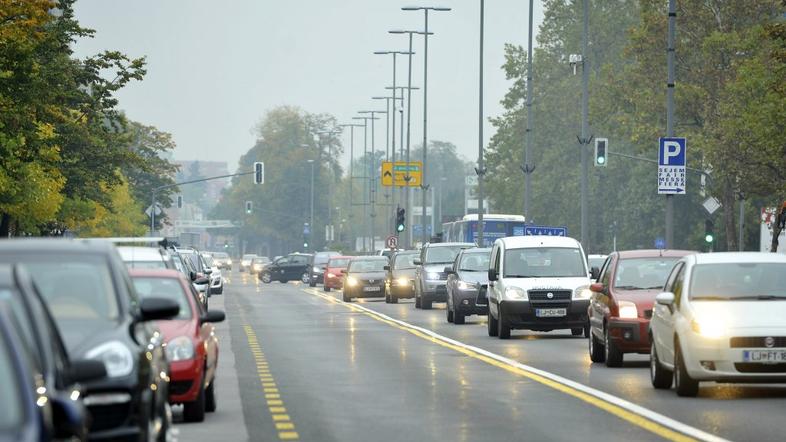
(80, 336)
(474, 277)
(548, 283)
(435, 268)
(409, 273)
(176, 327)
(368, 275)
(743, 314)
(644, 299)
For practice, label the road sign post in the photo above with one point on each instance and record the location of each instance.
(391, 242)
(671, 166)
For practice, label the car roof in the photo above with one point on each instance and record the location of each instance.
(341, 257)
(514, 242)
(449, 244)
(23, 245)
(654, 253)
(136, 253)
(370, 258)
(158, 273)
(735, 257)
(476, 250)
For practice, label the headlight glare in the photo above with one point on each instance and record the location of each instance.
(432, 275)
(708, 327)
(463, 285)
(516, 293)
(116, 357)
(402, 281)
(582, 292)
(180, 349)
(628, 310)
(352, 281)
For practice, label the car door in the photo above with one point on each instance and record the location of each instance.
(663, 316)
(599, 302)
(450, 284)
(278, 270)
(494, 286)
(297, 266)
(207, 338)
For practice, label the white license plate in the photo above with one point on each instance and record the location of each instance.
(371, 289)
(550, 312)
(764, 355)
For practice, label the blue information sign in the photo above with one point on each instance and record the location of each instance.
(545, 231)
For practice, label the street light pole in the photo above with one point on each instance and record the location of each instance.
(480, 170)
(670, 113)
(311, 218)
(585, 138)
(351, 164)
(390, 153)
(373, 174)
(527, 167)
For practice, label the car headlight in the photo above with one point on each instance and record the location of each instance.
(583, 292)
(116, 357)
(352, 281)
(330, 275)
(628, 310)
(316, 269)
(462, 285)
(402, 281)
(516, 293)
(432, 275)
(180, 349)
(708, 327)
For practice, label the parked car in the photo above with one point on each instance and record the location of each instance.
(215, 277)
(259, 263)
(400, 276)
(146, 257)
(334, 277)
(223, 260)
(721, 317)
(245, 262)
(293, 267)
(191, 343)
(538, 283)
(201, 279)
(621, 305)
(317, 266)
(387, 252)
(86, 286)
(467, 284)
(430, 276)
(364, 278)
(186, 267)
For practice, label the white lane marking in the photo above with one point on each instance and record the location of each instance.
(622, 403)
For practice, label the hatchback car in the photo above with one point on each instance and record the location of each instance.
(223, 260)
(430, 276)
(400, 277)
(191, 343)
(365, 278)
(722, 318)
(467, 284)
(317, 267)
(334, 276)
(215, 277)
(293, 267)
(621, 305)
(146, 257)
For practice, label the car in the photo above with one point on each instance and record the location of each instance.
(538, 283)
(258, 263)
(467, 284)
(86, 287)
(721, 317)
(621, 304)
(186, 267)
(317, 266)
(596, 262)
(201, 280)
(430, 276)
(146, 257)
(191, 342)
(334, 277)
(222, 260)
(293, 267)
(400, 277)
(364, 278)
(387, 252)
(245, 261)
(215, 277)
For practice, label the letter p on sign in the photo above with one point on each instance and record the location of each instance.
(671, 152)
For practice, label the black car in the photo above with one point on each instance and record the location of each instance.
(467, 284)
(365, 278)
(317, 266)
(86, 286)
(400, 276)
(293, 267)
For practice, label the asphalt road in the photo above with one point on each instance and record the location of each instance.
(298, 364)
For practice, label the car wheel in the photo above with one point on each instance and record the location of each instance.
(596, 350)
(686, 386)
(449, 313)
(577, 331)
(612, 354)
(492, 324)
(458, 317)
(345, 296)
(660, 376)
(312, 283)
(326, 288)
(417, 301)
(305, 279)
(210, 397)
(195, 411)
(425, 304)
(503, 328)
(266, 278)
(387, 297)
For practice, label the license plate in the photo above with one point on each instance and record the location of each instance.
(764, 355)
(550, 312)
(371, 289)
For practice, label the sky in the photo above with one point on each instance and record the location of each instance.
(215, 67)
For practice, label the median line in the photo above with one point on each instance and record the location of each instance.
(637, 415)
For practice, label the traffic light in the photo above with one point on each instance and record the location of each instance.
(401, 220)
(601, 155)
(709, 235)
(259, 173)
(180, 201)
(249, 207)
(226, 244)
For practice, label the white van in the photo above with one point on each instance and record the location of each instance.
(538, 283)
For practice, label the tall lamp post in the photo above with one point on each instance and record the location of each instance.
(425, 10)
(479, 170)
(311, 217)
(351, 163)
(373, 175)
(390, 154)
(330, 133)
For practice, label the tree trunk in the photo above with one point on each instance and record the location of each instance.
(729, 226)
(5, 225)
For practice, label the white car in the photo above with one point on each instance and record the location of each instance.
(216, 280)
(721, 317)
(538, 283)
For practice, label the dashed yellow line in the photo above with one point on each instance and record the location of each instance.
(278, 411)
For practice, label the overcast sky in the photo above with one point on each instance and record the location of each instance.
(215, 66)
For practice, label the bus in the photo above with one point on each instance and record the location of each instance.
(495, 226)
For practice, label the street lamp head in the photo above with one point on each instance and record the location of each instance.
(309, 161)
(401, 31)
(372, 112)
(383, 52)
(428, 8)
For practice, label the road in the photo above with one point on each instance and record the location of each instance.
(299, 364)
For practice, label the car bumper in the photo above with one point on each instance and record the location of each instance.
(435, 291)
(115, 413)
(360, 292)
(630, 335)
(728, 364)
(218, 282)
(467, 302)
(333, 283)
(402, 291)
(185, 384)
(521, 314)
(317, 278)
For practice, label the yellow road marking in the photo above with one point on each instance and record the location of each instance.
(277, 409)
(274, 402)
(281, 417)
(285, 426)
(288, 435)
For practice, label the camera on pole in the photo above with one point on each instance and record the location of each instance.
(259, 173)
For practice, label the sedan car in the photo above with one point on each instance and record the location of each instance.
(215, 277)
(258, 264)
(245, 261)
(467, 284)
(621, 304)
(146, 257)
(334, 276)
(430, 276)
(222, 260)
(191, 344)
(87, 288)
(365, 278)
(722, 318)
(400, 277)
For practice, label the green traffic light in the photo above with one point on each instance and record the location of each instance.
(708, 238)
(601, 160)
(400, 228)
(305, 245)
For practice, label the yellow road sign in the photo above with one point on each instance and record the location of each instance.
(395, 174)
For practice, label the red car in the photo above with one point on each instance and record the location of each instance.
(621, 304)
(333, 277)
(191, 345)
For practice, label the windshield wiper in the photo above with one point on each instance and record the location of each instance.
(521, 276)
(759, 297)
(470, 270)
(628, 287)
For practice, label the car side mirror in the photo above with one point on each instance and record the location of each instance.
(213, 316)
(449, 270)
(493, 276)
(207, 271)
(598, 288)
(69, 417)
(152, 309)
(417, 262)
(85, 370)
(667, 299)
(387, 268)
(594, 273)
(192, 276)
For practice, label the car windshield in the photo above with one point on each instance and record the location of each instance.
(220, 255)
(442, 255)
(321, 258)
(10, 394)
(643, 273)
(544, 262)
(738, 281)
(340, 263)
(596, 261)
(263, 260)
(168, 288)
(208, 260)
(405, 261)
(367, 265)
(474, 262)
(248, 257)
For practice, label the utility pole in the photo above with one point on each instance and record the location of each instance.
(584, 141)
(479, 169)
(528, 168)
(670, 113)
